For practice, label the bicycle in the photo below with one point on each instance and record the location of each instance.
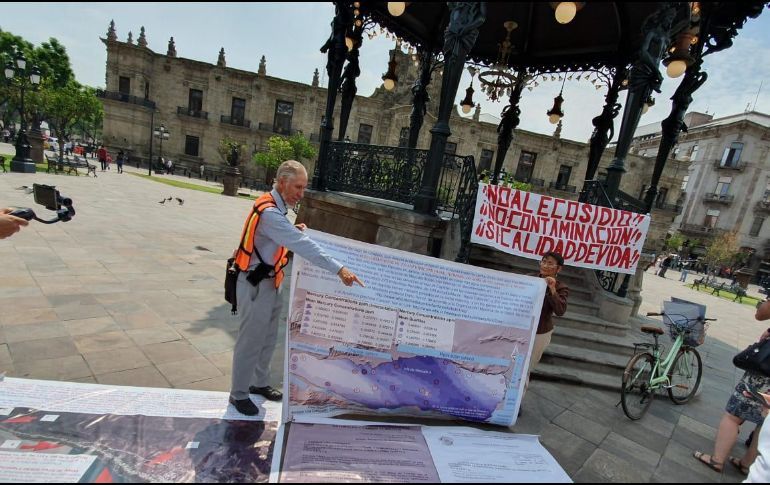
(646, 373)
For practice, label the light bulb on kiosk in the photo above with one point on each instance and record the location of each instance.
(396, 8)
(565, 12)
(676, 68)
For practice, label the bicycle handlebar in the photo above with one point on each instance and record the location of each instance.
(662, 314)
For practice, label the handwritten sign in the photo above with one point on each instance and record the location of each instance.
(529, 225)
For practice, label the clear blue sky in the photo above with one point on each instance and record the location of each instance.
(289, 35)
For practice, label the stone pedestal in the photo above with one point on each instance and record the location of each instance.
(743, 277)
(231, 180)
(375, 221)
(35, 146)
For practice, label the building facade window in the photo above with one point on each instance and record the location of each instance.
(723, 186)
(238, 111)
(124, 85)
(284, 111)
(732, 155)
(365, 133)
(660, 199)
(192, 145)
(526, 166)
(756, 226)
(147, 90)
(685, 179)
(451, 148)
(766, 195)
(694, 153)
(562, 180)
(712, 216)
(195, 102)
(485, 162)
(403, 137)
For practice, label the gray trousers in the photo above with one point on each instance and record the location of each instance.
(259, 308)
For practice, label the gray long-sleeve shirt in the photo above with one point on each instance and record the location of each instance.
(275, 230)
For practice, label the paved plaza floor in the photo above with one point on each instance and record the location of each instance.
(130, 293)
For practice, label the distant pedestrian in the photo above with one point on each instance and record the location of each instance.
(203, 168)
(7, 135)
(169, 167)
(664, 265)
(685, 271)
(101, 153)
(121, 158)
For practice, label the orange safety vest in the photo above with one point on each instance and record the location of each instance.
(246, 248)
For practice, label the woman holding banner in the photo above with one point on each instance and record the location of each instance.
(555, 302)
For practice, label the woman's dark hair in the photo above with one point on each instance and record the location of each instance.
(558, 257)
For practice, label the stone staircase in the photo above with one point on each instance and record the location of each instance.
(585, 349)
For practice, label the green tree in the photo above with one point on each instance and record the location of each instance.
(65, 106)
(280, 149)
(90, 125)
(51, 59)
(675, 242)
(226, 147)
(722, 249)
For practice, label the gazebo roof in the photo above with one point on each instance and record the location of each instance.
(601, 34)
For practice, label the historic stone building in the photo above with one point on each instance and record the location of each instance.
(727, 182)
(200, 103)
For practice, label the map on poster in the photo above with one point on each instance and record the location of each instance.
(426, 337)
(101, 440)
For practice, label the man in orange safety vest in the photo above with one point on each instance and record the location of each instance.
(266, 238)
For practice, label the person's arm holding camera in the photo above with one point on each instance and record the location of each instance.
(10, 225)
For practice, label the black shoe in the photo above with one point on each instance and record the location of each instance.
(245, 406)
(269, 392)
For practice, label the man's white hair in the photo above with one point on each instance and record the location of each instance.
(288, 169)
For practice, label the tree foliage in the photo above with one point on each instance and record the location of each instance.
(722, 250)
(64, 107)
(226, 147)
(280, 149)
(675, 242)
(50, 58)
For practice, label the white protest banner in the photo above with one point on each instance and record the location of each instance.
(528, 224)
(426, 337)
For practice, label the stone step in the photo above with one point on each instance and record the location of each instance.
(590, 323)
(591, 360)
(588, 340)
(582, 377)
(584, 307)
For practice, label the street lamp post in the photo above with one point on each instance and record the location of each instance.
(17, 74)
(161, 133)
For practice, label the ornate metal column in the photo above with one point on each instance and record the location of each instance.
(604, 125)
(510, 120)
(465, 18)
(420, 97)
(673, 125)
(336, 49)
(349, 89)
(645, 77)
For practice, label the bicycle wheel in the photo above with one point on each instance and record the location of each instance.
(685, 375)
(636, 395)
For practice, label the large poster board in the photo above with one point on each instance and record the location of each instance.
(426, 337)
(528, 224)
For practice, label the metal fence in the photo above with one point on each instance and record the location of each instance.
(392, 173)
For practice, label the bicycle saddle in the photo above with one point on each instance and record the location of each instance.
(656, 330)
